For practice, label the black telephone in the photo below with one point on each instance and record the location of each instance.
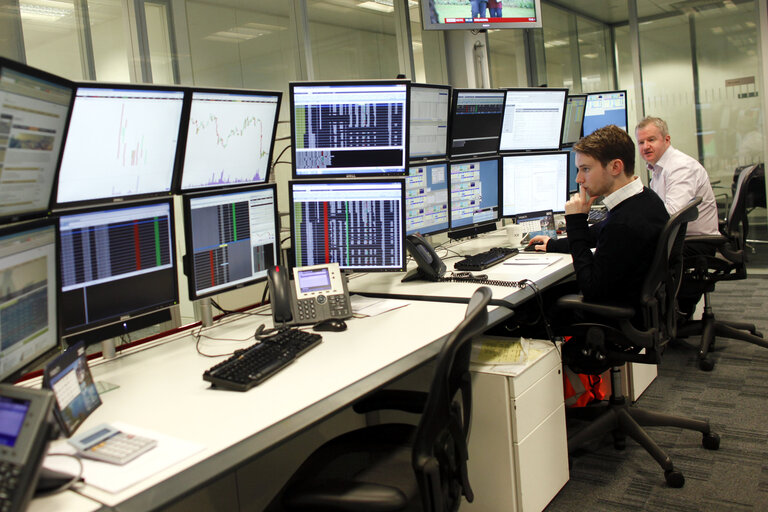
(27, 428)
(430, 266)
(318, 292)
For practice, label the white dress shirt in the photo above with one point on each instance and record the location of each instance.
(632, 188)
(678, 178)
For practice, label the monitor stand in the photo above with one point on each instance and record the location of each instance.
(205, 311)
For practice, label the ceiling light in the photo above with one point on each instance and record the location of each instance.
(378, 5)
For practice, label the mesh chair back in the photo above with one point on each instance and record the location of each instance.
(737, 223)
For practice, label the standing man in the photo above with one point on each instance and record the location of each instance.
(494, 8)
(478, 8)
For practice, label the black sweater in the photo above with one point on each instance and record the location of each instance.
(625, 242)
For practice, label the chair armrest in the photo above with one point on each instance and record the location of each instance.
(711, 240)
(397, 399)
(577, 302)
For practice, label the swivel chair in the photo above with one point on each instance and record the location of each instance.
(610, 338)
(727, 263)
(396, 466)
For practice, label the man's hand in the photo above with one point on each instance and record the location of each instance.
(578, 203)
(540, 242)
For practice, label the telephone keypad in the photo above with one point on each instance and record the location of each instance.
(306, 309)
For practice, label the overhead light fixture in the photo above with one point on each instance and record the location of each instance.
(44, 12)
(378, 5)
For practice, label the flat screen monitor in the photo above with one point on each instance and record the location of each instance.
(430, 105)
(574, 117)
(452, 15)
(34, 110)
(232, 238)
(474, 188)
(533, 119)
(426, 198)
(359, 224)
(573, 187)
(116, 263)
(534, 182)
(349, 128)
(604, 108)
(229, 139)
(122, 142)
(28, 328)
(476, 117)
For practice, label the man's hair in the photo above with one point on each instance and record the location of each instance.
(609, 143)
(655, 121)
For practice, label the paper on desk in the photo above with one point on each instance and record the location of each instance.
(533, 259)
(113, 478)
(506, 355)
(369, 306)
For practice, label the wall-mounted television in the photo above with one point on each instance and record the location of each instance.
(452, 15)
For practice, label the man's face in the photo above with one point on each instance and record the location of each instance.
(592, 176)
(651, 144)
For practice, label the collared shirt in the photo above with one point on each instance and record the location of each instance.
(678, 178)
(632, 188)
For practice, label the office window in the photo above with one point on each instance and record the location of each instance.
(506, 55)
(594, 55)
(161, 55)
(110, 40)
(51, 37)
(428, 50)
(560, 47)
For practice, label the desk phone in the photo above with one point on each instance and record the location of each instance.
(108, 444)
(316, 293)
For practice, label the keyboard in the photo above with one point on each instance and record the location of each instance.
(483, 260)
(251, 366)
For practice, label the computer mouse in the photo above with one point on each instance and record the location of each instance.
(532, 247)
(332, 325)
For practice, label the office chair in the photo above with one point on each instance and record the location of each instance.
(728, 263)
(395, 466)
(611, 339)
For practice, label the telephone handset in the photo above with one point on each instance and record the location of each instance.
(430, 266)
(317, 293)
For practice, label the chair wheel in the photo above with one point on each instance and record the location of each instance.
(706, 364)
(674, 478)
(710, 441)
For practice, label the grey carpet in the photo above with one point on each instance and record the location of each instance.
(735, 399)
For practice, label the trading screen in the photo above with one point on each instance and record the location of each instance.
(426, 199)
(574, 116)
(534, 182)
(476, 122)
(429, 121)
(533, 119)
(605, 108)
(474, 192)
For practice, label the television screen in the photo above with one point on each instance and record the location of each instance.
(604, 108)
(574, 117)
(533, 119)
(230, 137)
(122, 142)
(476, 117)
(429, 120)
(232, 238)
(426, 199)
(474, 188)
(116, 262)
(358, 224)
(452, 15)
(534, 182)
(34, 110)
(27, 297)
(349, 128)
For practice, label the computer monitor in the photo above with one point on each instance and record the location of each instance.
(28, 333)
(34, 110)
(232, 238)
(604, 108)
(229, 138)
(533, 119)
(430, 105)
(476, 117)
(574, 117)
(349, 128)
(573, 187)
(116, 263)
(474, 188)
(122, 142)
(534, 182)
(359, 224)
(426, 198)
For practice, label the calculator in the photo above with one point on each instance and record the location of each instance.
(108, 444)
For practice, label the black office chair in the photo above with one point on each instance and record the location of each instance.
(611, 338)
(728, 263)
(395, 466)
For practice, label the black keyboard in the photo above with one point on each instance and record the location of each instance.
(253, 365)
(483, 260)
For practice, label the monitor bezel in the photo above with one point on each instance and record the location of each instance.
(447, 164)
(188, 239)
(391, 179)
(57, 80)
(444, 154)
(474, 228)
(29, 365)
(71, 336)
(571, 166)
(626, 107)
(454, 101)
(342, 83)
(57, 206)
(178, 175)
(561, 208)
(428, 24)
(562, 118)
(581, 121)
